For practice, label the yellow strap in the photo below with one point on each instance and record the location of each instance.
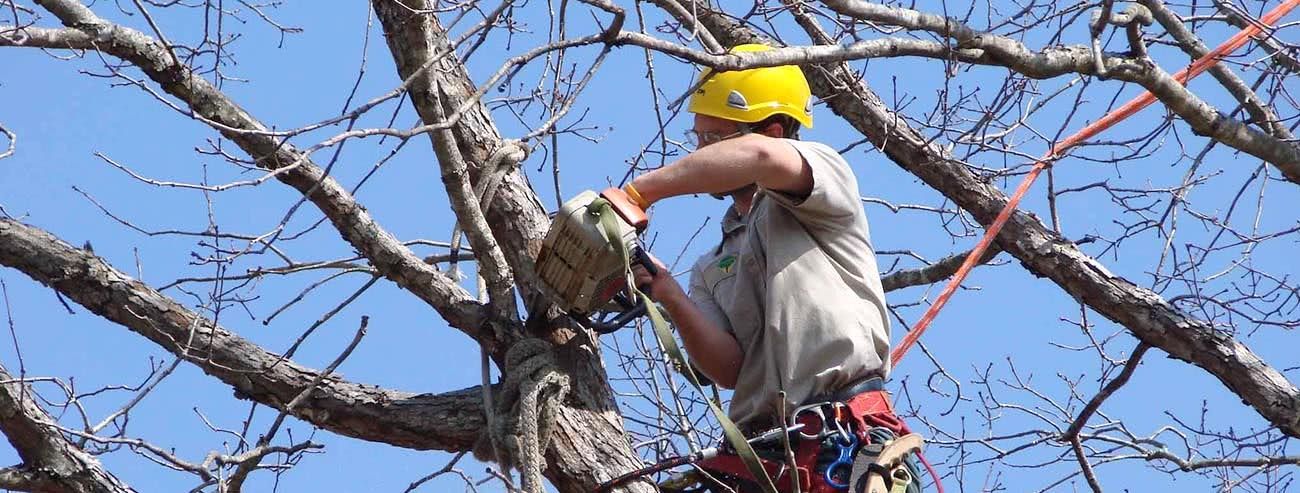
(669, 346)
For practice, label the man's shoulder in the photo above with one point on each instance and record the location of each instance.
(818, 146)
(812, 150)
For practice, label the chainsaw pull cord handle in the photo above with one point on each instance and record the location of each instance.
(603, 209)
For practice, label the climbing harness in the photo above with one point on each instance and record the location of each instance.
(839, 445)
(1110, 119)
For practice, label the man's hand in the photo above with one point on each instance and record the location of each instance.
(661, 285)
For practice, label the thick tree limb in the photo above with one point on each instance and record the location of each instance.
(20, 479)
(358, 228)
(450, 421)
(50, 462)
(516, 216)
(1043, 252)
(41, 37)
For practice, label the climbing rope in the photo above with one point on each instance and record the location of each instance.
(1110, 119)
(531, 393)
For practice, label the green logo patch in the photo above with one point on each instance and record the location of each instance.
(726, 263)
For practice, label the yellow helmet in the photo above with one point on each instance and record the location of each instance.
(753, 95)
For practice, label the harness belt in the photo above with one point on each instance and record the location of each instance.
(864, 417)
(860, 386)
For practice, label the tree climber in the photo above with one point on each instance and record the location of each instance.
(790, 301)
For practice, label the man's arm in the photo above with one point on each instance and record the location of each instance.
(728, 165)
(713, 349)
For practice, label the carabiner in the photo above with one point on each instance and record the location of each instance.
(816, 410)
(840, 411)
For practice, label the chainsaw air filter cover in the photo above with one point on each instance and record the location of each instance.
(578, 266)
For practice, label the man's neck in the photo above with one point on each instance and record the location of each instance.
(743, 199)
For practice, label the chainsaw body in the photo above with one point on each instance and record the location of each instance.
(582, 272)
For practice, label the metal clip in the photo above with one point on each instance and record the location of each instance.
(816, 410)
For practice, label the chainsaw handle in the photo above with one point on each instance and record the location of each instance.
(632, 308)
(640, 256)
(624, 318)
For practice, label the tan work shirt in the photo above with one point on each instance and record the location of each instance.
(796, 282)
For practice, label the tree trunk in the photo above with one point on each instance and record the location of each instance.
(588, 444)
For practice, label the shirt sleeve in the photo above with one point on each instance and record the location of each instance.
(833, 202)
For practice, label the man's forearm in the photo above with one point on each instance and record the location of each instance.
(713, 350)
(727, 166)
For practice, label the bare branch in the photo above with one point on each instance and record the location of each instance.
(1000, 50)
(935, 272)
(386, 253)
(49, 459)
(43, 37)
(1130, 366)
(1259, 112)
(446, 422)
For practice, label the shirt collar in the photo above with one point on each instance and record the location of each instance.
(732, 222)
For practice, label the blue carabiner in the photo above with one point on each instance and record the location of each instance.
(847, 447)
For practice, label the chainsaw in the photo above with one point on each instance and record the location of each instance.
(581, 268)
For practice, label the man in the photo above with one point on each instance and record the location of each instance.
(790, 300)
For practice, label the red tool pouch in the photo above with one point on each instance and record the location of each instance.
(873, 409)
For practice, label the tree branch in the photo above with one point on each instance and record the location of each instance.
(41, 37)
(935, 272)
(450, 421)
(393, 260)
(440, 85)
(50, 461)
(1263, 115)
(21, 479)
(1072, 433)
(1003, 51)
(588, 441)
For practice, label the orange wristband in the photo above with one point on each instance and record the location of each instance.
(636, 197)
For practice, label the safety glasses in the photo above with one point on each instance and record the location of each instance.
(696, 140)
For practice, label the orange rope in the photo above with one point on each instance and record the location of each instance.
(1110, 119)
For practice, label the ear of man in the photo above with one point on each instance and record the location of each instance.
(777, 126)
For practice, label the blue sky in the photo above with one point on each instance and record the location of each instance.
(63, 117)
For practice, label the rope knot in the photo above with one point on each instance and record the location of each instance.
(533, 389)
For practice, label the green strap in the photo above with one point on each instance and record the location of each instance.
(900, 482)
(669, 346)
